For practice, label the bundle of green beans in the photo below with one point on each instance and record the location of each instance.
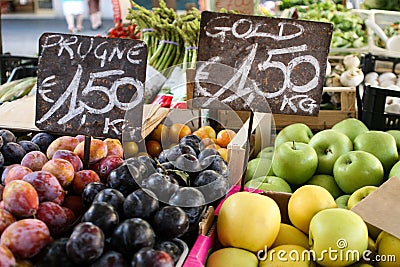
(171, 39)
(188, 26)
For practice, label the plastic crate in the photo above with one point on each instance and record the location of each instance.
(8, 63)
(371, 100)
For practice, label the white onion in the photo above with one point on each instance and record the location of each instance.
(352, 77)
(351, 61)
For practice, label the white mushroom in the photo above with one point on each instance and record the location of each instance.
(351, 61)
(387, 76)
(371, 76)
(352, 77)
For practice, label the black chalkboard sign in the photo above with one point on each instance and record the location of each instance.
(246, 61)
(86, 84)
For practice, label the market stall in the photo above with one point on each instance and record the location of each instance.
(206, 138)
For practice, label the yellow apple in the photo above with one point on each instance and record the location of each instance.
(290, 235)
(232, 257)
(249, 221)
(287, 255)
(305, 202)
(388, 249)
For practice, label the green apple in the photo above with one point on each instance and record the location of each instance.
(329, 145)
(356, 169)
(269, 183)
(380, 144)
(258, 167)
(396, 135)
(351, 127)
(295, 162)
(234, 257)
(266, 152)
(298, 132)
(388, 246)
(328, 182)
(341, 230)
(395, 170)
(359, 195)
(342, 201)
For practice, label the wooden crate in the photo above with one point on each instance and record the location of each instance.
(326, 118)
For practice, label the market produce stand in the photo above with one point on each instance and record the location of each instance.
(194, 125)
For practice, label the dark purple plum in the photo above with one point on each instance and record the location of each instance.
(141, 203)
(111, 259)
(55, 255)
(7, 136)
(29, 146)
(170, 222)
(212, 184)
(207, 152)
(90, 191)
(103, 215)
(13, 153)
(218, 164)
(187, 197)
(160, 185)
(131, 235)
(188, 163)
(43, 140)
(170, 247)
(111, 196)
(86, 243)
(151, 257)
(193, 141)
(124, 179)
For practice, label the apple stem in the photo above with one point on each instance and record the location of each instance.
(294, 146)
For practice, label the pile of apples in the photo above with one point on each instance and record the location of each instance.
(349, 161)
(305, 228)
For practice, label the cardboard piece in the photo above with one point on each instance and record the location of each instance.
(19, 114)
(381, 208)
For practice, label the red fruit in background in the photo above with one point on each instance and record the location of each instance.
(16, 173)
(62, 169)
(20, 198)
(75, 204)
(54, 216)
(63, 142)
(46, 185)
(34, 160)
(98, 150)
(7, 259)
(71, 157)
(26, 238)
(6, 218)
(106, 165)
(114, 147)
(82, 178)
